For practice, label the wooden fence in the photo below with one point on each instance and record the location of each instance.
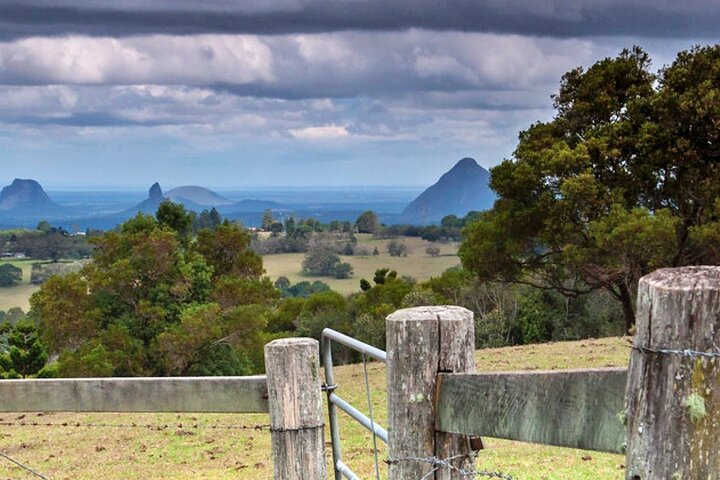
(664, 411)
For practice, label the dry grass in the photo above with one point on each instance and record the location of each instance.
(182, 451)
(19, 295)
(417, 264)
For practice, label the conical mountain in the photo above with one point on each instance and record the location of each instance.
(462, 189)
(26, 197)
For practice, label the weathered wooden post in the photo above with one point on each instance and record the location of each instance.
(421, 342)
(673, 393)
(296, 409)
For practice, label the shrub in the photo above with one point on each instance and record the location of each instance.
(9, 275)
(320, 260)
(433, 251)
(397, 249)
(343, 270)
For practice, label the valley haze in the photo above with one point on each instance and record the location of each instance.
(24, 202)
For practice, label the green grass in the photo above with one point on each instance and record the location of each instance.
(184, 452)
(417, 264)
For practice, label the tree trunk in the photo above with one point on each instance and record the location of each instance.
(627, 306)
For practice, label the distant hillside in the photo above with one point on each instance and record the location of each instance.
(151, 205)
(250, 205)
(462, 189)
(26, 197)
(197, 196)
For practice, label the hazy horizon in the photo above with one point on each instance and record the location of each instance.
(88, 188)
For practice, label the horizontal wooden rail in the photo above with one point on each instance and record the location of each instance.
(571, 408)
(173, 394)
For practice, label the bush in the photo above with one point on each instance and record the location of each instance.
(9, 275)
(397, 249)
(279, 244)
(343, 270)
(305, 289)
(320, 260)
(433, 251)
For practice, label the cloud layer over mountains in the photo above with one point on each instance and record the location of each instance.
(300, 81)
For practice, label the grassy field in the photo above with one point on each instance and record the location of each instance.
(417, 264)
(19, 295)
(237, 446)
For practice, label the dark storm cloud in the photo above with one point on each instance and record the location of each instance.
(554, 18)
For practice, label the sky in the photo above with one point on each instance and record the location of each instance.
(292, 93)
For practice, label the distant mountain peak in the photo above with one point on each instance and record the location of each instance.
(26, 195)
(463, 188)
(151, 204)
(194, 195)
(466, 162)
(155, 193)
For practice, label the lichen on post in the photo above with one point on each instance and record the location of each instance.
(421, 342)
(296, 409)
(673, 392)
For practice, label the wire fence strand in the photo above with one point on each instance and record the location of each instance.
(439, 463)
(688, 353)
(23, 466)
(145, 426)
(372, 419)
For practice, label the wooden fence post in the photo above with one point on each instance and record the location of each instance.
(422, 342)
(673, 398)
(296, 409)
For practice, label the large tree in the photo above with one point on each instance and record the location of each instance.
(155, 302)
(624, 180)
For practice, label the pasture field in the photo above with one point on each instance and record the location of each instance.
(237, 447)
(18, 295)
(417, 264)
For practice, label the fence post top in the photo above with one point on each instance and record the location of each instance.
(444, 312)
(292, 342)
(684, 278)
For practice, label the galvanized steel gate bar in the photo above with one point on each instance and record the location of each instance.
(329, 336)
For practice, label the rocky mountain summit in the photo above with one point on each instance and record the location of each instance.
(462, 189)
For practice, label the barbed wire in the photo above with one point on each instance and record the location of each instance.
(679, 352)
(439, 463)
(146, 426)
(23, 466)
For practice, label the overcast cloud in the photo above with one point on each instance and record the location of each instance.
(553, 18)
(387, 92)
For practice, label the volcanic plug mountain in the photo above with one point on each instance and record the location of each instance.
(462, 189)
(26, 197)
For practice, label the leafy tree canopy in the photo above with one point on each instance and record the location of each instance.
(154, 302)
(624, 180)
(367, 222)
